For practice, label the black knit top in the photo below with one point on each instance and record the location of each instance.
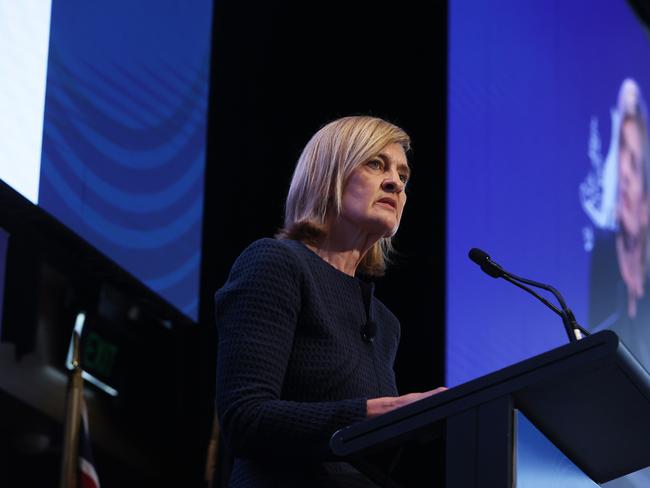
(292, 367)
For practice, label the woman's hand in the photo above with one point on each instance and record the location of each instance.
(380, 406)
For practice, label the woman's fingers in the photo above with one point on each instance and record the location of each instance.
(380, 406)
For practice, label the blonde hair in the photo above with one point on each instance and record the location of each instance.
(322, 170)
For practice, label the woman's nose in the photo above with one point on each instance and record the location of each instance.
(393, 184)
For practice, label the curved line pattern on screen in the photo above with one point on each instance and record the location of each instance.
(123, 163)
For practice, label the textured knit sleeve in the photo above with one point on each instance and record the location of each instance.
(257, 313)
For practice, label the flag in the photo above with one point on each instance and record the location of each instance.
(87, 474)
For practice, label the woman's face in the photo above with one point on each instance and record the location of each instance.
(374, 194)
(632, 201)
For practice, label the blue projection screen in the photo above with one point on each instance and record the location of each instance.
(548, 172)
(538, 95)
(123, 118)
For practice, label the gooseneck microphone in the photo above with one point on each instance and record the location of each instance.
(573, 329)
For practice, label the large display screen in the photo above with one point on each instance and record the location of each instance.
(548, 171)
(120, 118)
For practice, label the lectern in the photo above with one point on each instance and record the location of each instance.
(590, 398)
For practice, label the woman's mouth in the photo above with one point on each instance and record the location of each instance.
(389, 202)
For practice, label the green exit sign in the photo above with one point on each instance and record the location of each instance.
(98, 355)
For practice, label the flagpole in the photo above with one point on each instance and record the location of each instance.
(213, 452)
(69, 459)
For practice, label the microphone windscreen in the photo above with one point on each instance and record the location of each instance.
(479, 256)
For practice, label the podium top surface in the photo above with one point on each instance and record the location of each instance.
(591, 398)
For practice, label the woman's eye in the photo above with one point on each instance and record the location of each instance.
(404, 178)
(374, 164)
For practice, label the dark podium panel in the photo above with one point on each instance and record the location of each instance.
(590, 398)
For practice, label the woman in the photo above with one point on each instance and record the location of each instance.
(304, 346)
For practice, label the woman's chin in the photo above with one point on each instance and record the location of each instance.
(392, 232)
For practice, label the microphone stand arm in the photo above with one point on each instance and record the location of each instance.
(574, 330)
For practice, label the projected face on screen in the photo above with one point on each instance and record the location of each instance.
(632, 194)
(632, 212)
(619, 266)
